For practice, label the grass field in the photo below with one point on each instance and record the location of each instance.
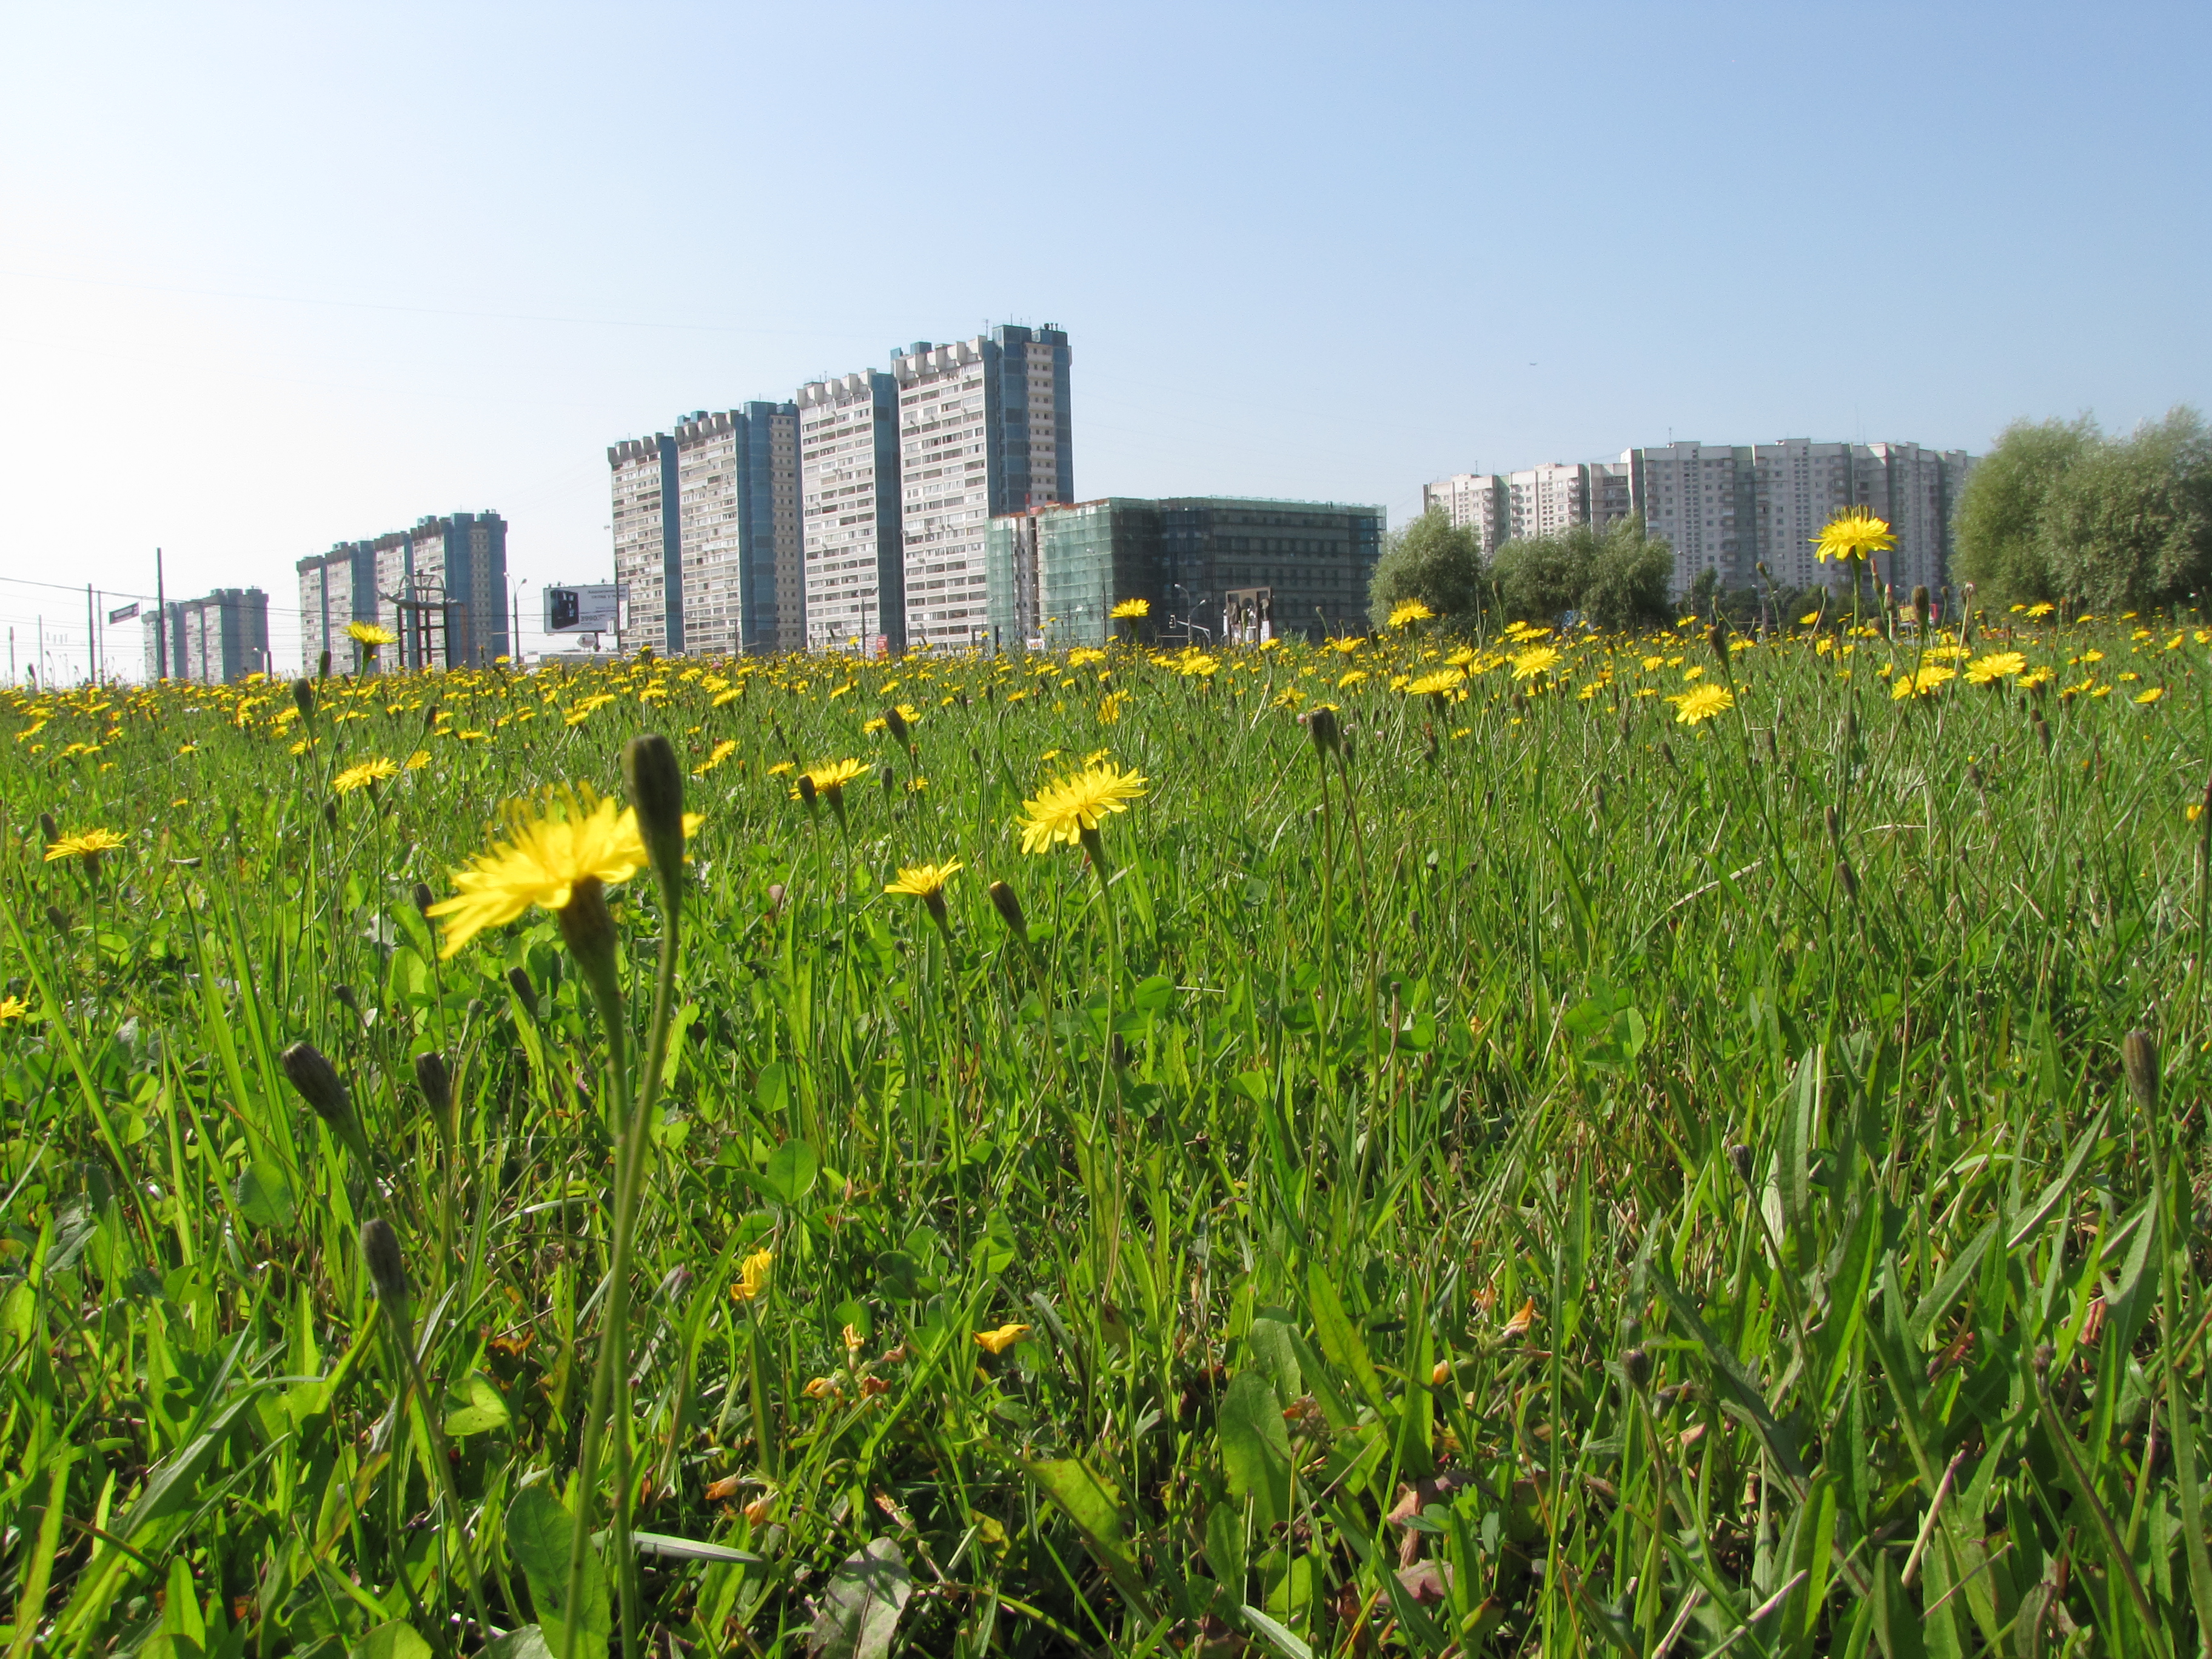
(1636, 1147)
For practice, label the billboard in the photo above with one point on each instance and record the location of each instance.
(586, 610)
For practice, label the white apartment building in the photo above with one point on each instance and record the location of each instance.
(648, 548)
(1728, 507)
(849, 513)
(982, 432)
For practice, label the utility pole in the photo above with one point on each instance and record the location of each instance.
(91, 641)
(160, 620)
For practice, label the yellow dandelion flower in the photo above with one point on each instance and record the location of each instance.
(418, 760)
(2040, 608)
(1923, 683)
(721, 751)
(1997, 665)
(1538, 659)
(831, 780)
(1000, 1340)
(86, 844)
(1437, 685)
(573, 836)
(2150, 694)
(1131, 609)
(1350, 677)
(370, 635)
(1853, 535)
(1406, 612)
(13, 1009)
(752, 1276)
(1073, 807)
(1702, 703)
(373, 770)
(2036, 676)
(924, 881)
(781, 768)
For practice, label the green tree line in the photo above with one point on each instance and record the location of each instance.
(1618, 577)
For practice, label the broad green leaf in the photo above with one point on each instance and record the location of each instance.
(1255, 1447)
(538, 1531)
(791, 1172)
(1340, 1338)
(860, 1606)
(396, 1639)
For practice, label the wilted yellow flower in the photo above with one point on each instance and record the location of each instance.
(1702, 703)
(1853, 535)
(85, 844)
(1995, 666)
(1072, 807)
(821, 1388)
(1000, 1340)
(752, 1276)
(1406, 612)
(573, 836)
(373, 770)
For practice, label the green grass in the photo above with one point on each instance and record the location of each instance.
(1576, 1180)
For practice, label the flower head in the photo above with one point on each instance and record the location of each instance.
(1131, 609)
(2040, 608)
(85, 844)
(1853, 535)
(1002, 1339)
(1437, 685)
(1702, 703)
(2150, 694)
(752, 1276)
(1073, 807)
(13, 1009)
(1997, 665)
(373, 770)
(1538, 659)
(370, 635)
(1406, 612)
(571, 836)
(924, 881)
(1923, 683)
(831, 780)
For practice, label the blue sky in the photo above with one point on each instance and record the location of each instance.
(273, 275)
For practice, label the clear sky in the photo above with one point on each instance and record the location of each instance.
(275, 275)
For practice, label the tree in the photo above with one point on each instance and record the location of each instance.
(1431, 560)
(1629, 575)
(2002, 548)
(1538, 577)
(2129, 524)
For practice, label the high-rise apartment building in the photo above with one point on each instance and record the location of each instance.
(440, 589)
(212, 640)
(983, 432)
(1728, 507)
(849, 513)
(706, 532)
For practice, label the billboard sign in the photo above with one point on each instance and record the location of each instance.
(586, 610)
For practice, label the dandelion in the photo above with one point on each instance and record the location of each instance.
(1350, 677)
(368, 774)
(86, 844)
(1439, 685)
(752, 1276)
(1132, 611)
(1922, 683)
(418, 760)
(926, 882)
(2036, 676)
(1997, 665)
(574, 842)
(2039, 610)
(999, 1341)
(1406, 612)
(13, 1009)
(829, 780)
(371, 635)
(722, 751)
(1072, 809)
(1854, 534)
(1110, 706)
(2150, 694)
(1702, 703)
(1537, 660)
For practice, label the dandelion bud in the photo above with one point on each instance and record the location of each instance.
(303, 698)
(2139, 1054)
(424, 898)
(589, 929)
(1716, 638)
(1739, 1157)
(1835, 825)
(891, 781)
(776, 891)
(331, 813)
(655, 781)
(323, 667)
(57, 919)
(380, 1250)
(1920, 605)
(1010, 910)
(49, 829)
(517, 982)
(806, 790)
(1635, 1366)
(895, 723)
(316, 1082)
(1320, 727)
(435, 1080)
(430, 716)
(347, 1001)
(1850, 880)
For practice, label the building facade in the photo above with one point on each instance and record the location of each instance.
(850, 518)
(440, 589)
(216, 640)
(1207, 565)
(1726, 508)
(983, 433)
(335, 588)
